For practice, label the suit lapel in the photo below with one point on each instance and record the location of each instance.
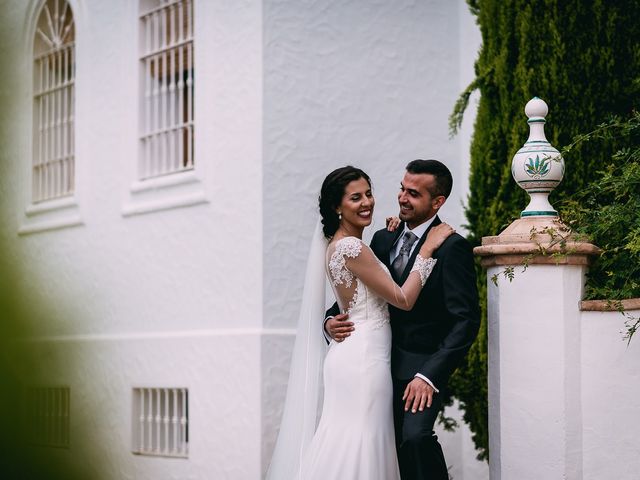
(412, 258)
(390, 240)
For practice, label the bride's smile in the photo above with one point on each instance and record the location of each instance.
(356, 207)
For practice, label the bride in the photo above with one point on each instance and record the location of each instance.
(354, 438)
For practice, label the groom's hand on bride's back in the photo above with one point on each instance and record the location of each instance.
(339, 327)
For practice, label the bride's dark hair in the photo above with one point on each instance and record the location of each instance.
(331, 195)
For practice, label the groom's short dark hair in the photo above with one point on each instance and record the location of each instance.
(444, 180)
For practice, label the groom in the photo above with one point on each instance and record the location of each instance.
(430, 340)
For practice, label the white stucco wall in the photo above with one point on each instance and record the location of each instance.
(610, 402)
(219, 371)
(370, 84)
(165, 265)
(168, 298)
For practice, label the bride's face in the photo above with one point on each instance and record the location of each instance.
(357, 204)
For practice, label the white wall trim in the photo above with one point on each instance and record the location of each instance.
(51, 215)
(176, 190)
(221, 332)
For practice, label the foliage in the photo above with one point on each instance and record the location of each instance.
(581, 57)
(21, 366)
(607, 212)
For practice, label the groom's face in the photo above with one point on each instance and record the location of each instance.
(417, 204)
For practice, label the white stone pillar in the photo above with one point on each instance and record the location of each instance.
(535, 425)
(534, 359)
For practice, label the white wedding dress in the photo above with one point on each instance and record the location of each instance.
(354, 438)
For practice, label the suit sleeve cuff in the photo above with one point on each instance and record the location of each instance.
(422, 377)
(324, 329)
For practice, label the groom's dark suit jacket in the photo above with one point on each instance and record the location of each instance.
(435, 335)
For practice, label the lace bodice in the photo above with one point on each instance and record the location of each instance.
(363, 285)
(363, 306)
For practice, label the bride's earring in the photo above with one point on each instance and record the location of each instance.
(339, 216)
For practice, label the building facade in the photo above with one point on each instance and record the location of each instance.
(159, 176)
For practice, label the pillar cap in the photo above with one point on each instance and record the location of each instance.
(527, 236)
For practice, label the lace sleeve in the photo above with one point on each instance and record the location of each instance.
(367, 268)
(424, 266)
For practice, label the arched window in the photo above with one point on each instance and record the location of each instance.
(53, 102)
(167, 68)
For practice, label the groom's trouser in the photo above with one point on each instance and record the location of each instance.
(419, 453)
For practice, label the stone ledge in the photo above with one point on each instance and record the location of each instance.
(525, 238)
(573, 253)
(506, 260)
(570, 248)
(609, 305)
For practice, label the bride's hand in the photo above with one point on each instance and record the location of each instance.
(392, 223)
(436, 236)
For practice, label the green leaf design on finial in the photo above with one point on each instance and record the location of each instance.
(539, 166)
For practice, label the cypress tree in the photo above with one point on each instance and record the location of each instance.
(582, 58)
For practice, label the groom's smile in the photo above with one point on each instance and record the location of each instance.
(417, 204)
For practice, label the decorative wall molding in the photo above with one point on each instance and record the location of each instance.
(51, 215)
(177, 190)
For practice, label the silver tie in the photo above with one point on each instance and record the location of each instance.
(400, 262)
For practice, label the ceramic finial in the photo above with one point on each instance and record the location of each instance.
(537, 167)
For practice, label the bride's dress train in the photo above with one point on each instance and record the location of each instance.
(355, 436)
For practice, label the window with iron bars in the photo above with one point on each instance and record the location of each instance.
(161, 422)
(47, 415)
(53, 168)
(167, 85)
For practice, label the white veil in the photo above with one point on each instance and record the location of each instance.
(304, 391)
